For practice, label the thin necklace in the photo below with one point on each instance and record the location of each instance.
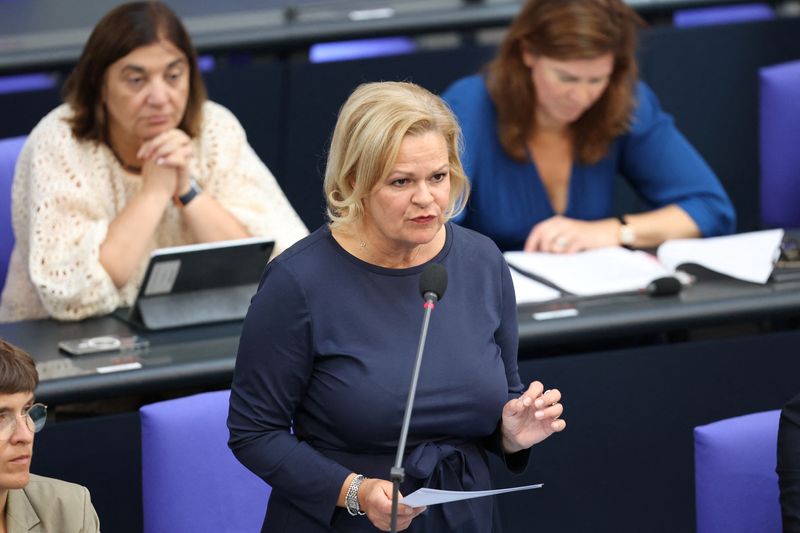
(363, 245)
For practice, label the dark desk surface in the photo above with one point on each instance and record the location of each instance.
(715, 301)
(204, 355)
(196, 356)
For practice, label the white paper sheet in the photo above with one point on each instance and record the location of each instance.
(424, 496)
(529, 290)
(593, 272)
(746, 256)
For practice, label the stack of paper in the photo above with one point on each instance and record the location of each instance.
(747, 256)
(531, 291)
(593, 272)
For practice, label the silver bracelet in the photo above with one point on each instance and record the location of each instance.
(351, 498)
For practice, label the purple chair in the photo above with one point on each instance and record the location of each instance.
(736, 487)
(9, 150)
(191, 482)
(730, 14)
(779, 125)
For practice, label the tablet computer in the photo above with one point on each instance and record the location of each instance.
(199, 283)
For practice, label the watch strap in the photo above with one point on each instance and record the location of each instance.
(184, 199)
(627, 236)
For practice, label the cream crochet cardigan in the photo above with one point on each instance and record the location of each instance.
(67, 192)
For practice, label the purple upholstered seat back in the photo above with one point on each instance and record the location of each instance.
(779, 123)
(191, 482)
(9, 150)
(706, 16)
(735, 481)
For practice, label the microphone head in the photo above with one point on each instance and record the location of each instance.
(666, 286)
(433, 280)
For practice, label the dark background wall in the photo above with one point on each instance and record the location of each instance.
(707, 78)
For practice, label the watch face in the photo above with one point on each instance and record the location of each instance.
(626, 235)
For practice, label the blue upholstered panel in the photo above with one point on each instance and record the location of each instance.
(779, 124)
(191, 482)
(9, 150)
(705, 16)
(735, 480)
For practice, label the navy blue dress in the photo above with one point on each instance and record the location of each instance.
(327, 350)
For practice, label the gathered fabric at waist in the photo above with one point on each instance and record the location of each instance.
(445, 465)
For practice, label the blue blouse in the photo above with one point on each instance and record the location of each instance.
(508, 197)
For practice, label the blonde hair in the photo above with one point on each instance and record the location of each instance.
(371, 126)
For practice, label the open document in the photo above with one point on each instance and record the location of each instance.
(531, 291)
(593, 272)
(423, 496)
(747, 256)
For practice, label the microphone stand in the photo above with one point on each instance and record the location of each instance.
(397, 472)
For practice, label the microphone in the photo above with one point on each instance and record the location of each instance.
(432, 284)
(666, 286)
(660, 287)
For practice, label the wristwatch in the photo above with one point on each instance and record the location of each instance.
(184, 199)
(627, 235)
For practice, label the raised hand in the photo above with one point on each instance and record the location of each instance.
(531, 418)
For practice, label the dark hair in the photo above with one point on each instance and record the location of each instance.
(119, 32)
(565, 30)
(17, 370)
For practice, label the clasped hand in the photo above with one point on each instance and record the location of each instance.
(531, 418)
(166, 162)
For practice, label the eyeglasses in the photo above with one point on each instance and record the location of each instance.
(35, 417)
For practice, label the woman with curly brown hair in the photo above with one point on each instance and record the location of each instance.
(556, 117)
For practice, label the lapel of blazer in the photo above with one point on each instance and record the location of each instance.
(21, 517)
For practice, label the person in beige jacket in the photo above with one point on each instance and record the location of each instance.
(30, 503)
